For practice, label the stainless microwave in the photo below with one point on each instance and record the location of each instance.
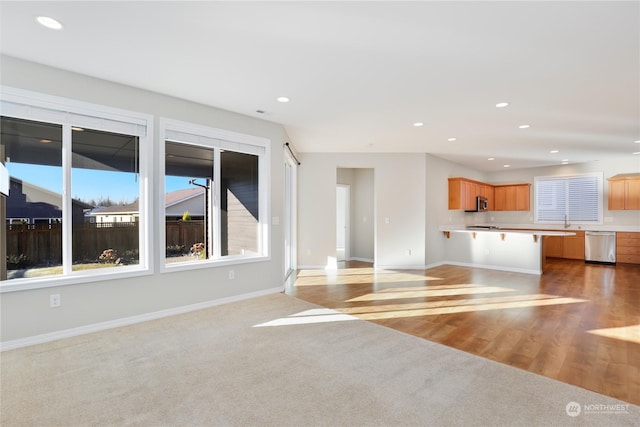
(482, 205)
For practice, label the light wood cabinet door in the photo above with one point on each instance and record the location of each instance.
(616, 194)
(632, 194)
(499, 199)
(573, 246)
(628, 248)
(554, 246)
(522, 198)
(470, 192)
(512, 197)
(486, 191)
(624, 192)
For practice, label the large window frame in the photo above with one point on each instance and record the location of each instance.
(68, 113)
(569, 200)
(218, 140)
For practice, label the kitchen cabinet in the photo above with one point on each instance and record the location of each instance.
(573, 246)
(628, 248)
(463, 193)
(553, 246)
(513, 197)
(570, 247)
(624, 192)
(486, 191)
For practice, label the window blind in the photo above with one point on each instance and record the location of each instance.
(572, 198)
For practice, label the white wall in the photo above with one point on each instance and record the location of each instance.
(404, 209)
(27, 313)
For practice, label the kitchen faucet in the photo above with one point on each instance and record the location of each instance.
(566, 224)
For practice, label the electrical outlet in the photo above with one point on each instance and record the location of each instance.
(232, 274)
(54, 300)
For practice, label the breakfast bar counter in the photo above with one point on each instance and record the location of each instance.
(518, 250)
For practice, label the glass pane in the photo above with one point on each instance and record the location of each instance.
(105, 189)
(188, 179)
(32, 152)
(239, 203)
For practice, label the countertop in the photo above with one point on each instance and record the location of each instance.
(531, 232)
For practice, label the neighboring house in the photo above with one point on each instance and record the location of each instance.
(176, 204)
(31, 204)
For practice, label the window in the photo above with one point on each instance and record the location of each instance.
(69, 166)
(215, 195)
(576, 199)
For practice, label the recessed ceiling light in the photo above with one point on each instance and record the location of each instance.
(491, 158)
(524, 126)
(418, 124)
(451, 139)
(637, 142)
(502, 104)
(282, 99)
(46, 141)
(554, 151)
(637, 152)
(507, 166)
(50, 23)
(565, 160)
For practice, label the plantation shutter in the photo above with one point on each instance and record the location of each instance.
(571, 198)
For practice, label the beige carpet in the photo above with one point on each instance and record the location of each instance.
(279, 361)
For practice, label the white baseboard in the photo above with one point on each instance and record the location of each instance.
(95, 327)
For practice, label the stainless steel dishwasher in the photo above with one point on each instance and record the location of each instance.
(600, 247)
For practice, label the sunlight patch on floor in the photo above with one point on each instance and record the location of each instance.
(624, 333)
(445, 303)
(349, 276)
(469, 308)
(428, 292)
(321, 315)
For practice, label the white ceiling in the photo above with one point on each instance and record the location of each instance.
(359, 74)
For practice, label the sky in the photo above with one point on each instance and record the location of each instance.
(89, 184)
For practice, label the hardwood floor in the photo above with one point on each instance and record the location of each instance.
(577, 323)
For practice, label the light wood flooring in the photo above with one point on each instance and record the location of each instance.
(577, 323)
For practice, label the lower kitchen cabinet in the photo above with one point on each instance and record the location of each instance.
(570, 247)
(553, 246)
(573, 246)
(628, 248)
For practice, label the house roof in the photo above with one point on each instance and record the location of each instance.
(170, 199)
(37, 193)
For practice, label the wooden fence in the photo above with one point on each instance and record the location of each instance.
(41, 244)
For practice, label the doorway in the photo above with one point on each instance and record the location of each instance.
(355, 214)
(343, 196)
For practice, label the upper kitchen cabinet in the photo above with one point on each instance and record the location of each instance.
(624, 192)
(463, 193)
(512, 197)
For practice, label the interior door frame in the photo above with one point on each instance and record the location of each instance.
(290, 215)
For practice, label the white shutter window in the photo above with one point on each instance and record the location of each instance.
(576, 199)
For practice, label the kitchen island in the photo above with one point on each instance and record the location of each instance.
(496, 248)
